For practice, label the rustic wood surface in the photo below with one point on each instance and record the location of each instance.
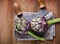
(7, 22)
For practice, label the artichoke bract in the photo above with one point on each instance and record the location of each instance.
(22, 25)
(39, 25)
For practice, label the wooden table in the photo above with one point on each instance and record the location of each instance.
(7, 22)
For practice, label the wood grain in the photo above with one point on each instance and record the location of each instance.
(7, 22)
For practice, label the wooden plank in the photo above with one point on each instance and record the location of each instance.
(5, 18)
(7, 22)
